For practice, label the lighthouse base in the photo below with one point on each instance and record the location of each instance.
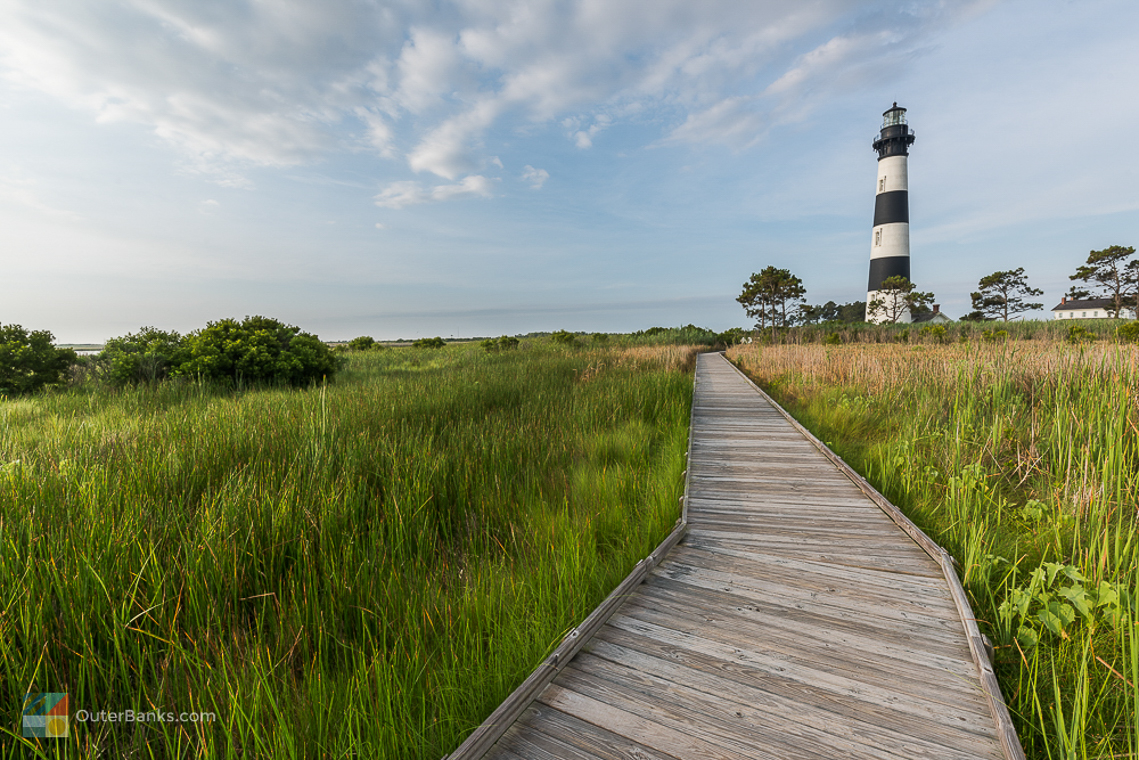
(885, 308)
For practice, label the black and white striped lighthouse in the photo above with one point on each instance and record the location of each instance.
(890, 244)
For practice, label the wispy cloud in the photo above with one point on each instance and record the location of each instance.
(284, 82)
(402, 194)
(536, 177)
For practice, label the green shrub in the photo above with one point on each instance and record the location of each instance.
(564, 338)
(833, 339)
(504, 343)
(435, 342)
(30, 361)
(143, 357)
(1128, 332)
(363, 343)
(1079, 334)
(937, 333)
(992, 336)
(254, 351)
(731, 336)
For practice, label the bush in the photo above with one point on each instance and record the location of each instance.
(363, 343)
(435, 342)
(936, 333)
(505, 343)
(254, 351)
(833, 339)
(564, 338)
(1128, 332)
(992, 336)
(1080, 334)
(30, 361)
(731, 336)
(143, 357)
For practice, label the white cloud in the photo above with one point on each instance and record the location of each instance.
(447, 151)
(736, 121)
(402, 194)
(430, 65)
(583, 138)
(536, 177)
(284, 82)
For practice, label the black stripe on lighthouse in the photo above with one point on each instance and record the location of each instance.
(884, 268)
(891, 207)
(890, 246)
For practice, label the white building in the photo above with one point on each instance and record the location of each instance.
(1089, 308)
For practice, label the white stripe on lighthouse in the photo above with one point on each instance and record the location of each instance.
(893, 174)
(890, 240)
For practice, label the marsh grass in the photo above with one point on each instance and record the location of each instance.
(1021, 457)
(836, 333)
(364, 569)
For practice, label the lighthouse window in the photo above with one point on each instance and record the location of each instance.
(882, 185)
(877, 237)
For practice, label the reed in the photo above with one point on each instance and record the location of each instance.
(363, 569)
(1021, 457)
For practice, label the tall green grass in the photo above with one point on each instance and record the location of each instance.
(1022, 459)
(359, 570)
(1078, 330)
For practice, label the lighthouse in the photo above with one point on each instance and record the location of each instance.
(890, 243)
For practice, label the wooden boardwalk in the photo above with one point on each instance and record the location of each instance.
(794, 620)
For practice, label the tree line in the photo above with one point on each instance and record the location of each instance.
(776, 298)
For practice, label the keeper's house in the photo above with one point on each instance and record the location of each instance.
(1089, 308)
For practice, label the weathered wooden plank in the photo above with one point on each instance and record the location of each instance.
(836, 645)
(783, 504)
(854, 584)
(769, 660)
(730, 665)
(802, 611)
(729, 730)
(794, 527)
(733, 720)
(701, 535)
(660, 732)
(902, 565)
(544, 733)
(802, 716)
(758, 538)
(854, 591)
(916, 589)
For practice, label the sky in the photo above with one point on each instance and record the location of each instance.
(465, 168)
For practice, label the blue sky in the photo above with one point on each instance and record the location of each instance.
(475, 167)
